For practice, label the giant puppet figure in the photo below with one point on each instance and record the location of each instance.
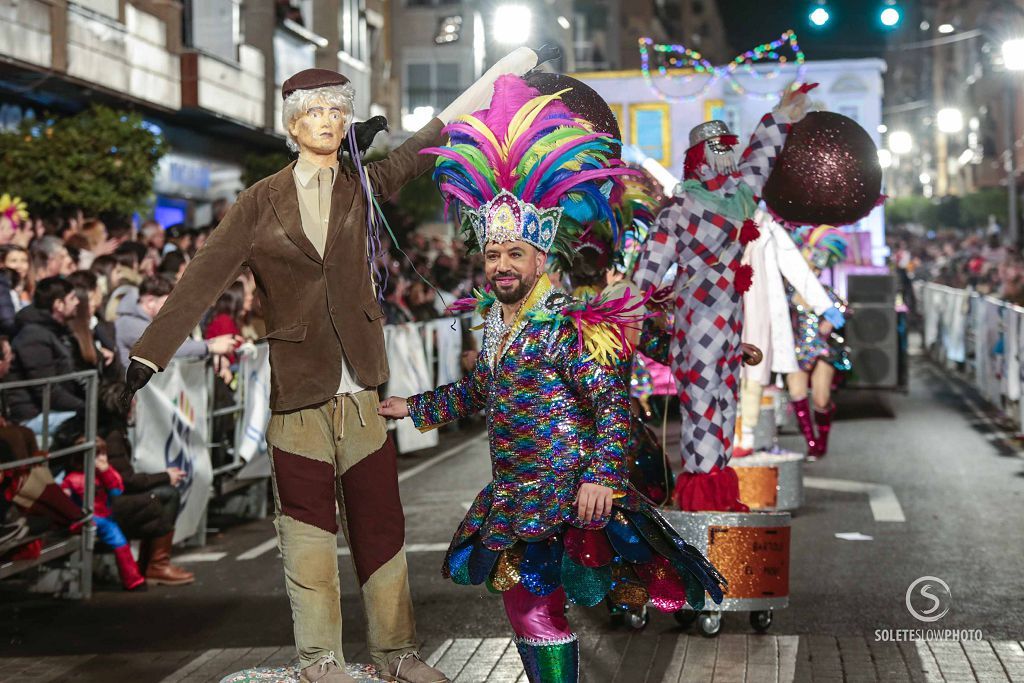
(307, 234)
(703, 232)
(766, 317)
(559, 520)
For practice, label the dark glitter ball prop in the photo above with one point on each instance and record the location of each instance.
(828, 172)
(582, 100)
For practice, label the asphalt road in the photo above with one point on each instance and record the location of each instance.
(957, 478)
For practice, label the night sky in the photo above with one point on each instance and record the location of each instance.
(854, 30)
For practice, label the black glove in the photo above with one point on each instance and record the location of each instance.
(546, 53)
(135, 378)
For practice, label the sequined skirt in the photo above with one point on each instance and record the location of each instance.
(634, 558)
(808, 354)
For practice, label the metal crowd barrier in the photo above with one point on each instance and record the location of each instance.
(78, 549)
(981, 338)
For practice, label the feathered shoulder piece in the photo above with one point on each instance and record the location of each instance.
(602, 323)
(524, 167)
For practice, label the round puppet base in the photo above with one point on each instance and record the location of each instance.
(364, 673)
(771, 481)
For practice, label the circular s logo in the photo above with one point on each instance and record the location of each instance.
(928, 599)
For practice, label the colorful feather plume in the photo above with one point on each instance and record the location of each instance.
(827, 245)
(534, 147)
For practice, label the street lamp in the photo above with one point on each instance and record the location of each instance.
(884, 157)
(512, 24)
(890, 16)
(950, 120)
(1013, 54)
(900, 142)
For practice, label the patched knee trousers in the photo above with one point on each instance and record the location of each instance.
(338, 457)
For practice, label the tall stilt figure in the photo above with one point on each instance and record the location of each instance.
(703, 232)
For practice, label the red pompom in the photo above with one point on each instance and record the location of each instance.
(749, 232)
(744, 278)
(717, 490)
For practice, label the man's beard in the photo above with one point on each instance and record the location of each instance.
(515, 295)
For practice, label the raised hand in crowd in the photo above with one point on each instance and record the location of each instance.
(224, 344)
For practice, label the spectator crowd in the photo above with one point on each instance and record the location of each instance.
(75, 295)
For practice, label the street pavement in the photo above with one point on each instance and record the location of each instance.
(955, 473)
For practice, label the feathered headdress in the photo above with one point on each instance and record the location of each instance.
(13, 209)
(825, 246)
(525, 166)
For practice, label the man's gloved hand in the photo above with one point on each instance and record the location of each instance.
(547, 53)
(834, 316)
(135, 378)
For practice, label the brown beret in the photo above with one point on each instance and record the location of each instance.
(310, 79)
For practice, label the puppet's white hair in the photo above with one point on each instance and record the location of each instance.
(296, 104)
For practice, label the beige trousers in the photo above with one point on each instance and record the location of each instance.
(338, 457)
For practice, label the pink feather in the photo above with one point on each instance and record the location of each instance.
(551, 197)
(510, 94)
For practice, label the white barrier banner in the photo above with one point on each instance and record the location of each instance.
(254, 372)
(171, 431)
(410, 374)
(449, 350)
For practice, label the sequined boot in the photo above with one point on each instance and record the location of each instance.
(823, 420)
(802, 410)
(550, 661)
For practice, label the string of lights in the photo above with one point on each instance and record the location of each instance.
(681, 64)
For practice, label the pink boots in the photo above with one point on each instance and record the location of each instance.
(817, 444)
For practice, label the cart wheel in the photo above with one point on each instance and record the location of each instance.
(709, 624)
(761, 620)
(638, 620)
(685, 617)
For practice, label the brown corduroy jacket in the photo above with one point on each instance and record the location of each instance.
(315, 309)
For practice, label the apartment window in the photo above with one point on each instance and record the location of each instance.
(431, 84)
(352, 29)
(109, 8)
(215, 26)
(649, 130)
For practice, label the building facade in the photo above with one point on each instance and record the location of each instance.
(206, 73)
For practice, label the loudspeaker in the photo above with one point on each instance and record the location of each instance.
(871, 332)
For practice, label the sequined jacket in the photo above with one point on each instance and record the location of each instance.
(555, 420)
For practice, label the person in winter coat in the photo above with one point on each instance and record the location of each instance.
(44, 347)
(136, 312)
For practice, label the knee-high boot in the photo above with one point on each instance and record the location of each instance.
(823, 420)
(802, 410)
(550, 661)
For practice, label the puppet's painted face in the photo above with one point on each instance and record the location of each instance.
(321, 128)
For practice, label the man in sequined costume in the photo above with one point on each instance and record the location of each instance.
(557, 522)
(703, 232)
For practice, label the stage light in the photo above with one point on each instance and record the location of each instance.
(1013, 54)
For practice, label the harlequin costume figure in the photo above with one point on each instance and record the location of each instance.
(601, 264)
(703, 232)
(767, 322)
(820, 352)
(308, 233)
(558, 520)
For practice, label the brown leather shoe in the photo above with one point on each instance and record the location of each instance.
(409, 668)
(159, 569)
(327, 670)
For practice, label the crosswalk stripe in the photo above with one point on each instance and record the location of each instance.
(253, 553)
(200, 557)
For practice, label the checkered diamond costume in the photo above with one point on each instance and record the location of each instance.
(703, 232)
